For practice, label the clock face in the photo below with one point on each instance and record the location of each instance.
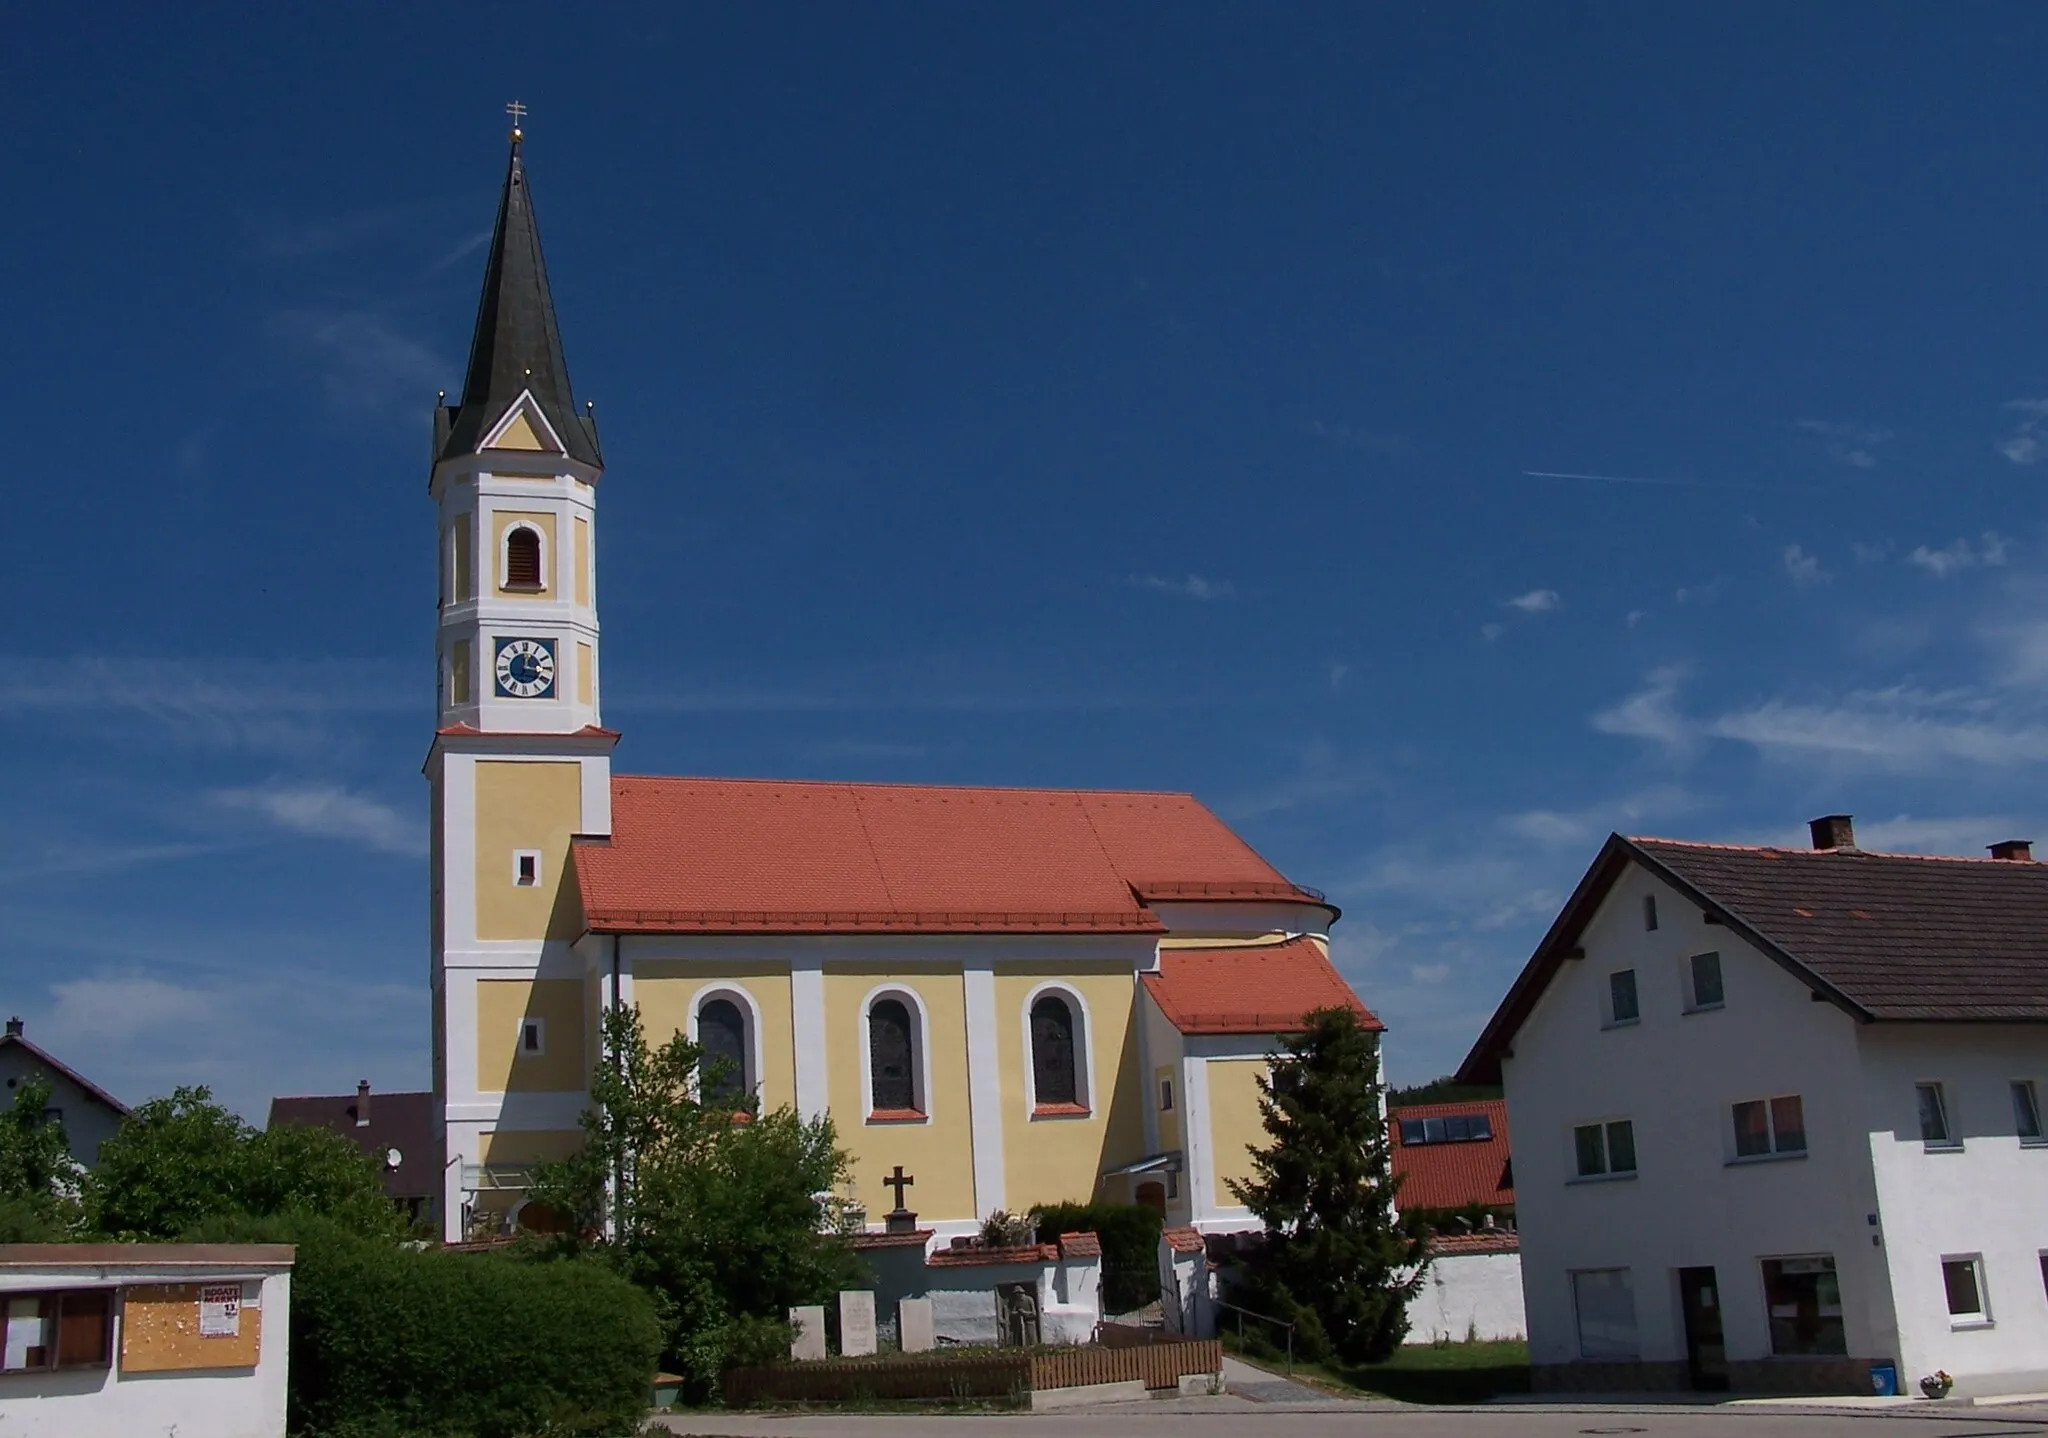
(526, 668)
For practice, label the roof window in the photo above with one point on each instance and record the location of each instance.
(1449, 1128)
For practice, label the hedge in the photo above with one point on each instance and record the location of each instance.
(393, 1339)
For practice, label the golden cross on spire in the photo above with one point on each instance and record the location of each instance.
(518, 113)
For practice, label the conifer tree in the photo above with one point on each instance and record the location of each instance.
(1335, 1260)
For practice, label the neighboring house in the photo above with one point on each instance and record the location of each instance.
(1453, 1156)
(397, 1130)
(1009, 997)
(1777, 1119)
(1452, 1159)
(88, 1112)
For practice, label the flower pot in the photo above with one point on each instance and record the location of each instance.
(1936, 1387)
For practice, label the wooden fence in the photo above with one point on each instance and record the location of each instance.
(963, 1375)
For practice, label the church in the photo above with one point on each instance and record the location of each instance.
(1003, 997)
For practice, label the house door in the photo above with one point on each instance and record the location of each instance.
(1706, 1354)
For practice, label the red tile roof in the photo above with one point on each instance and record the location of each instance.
(1184, 1240)
(773, 856)
(1498, 1240)
(1452, 1175)
(993, 1257)
(1249, 989)
(1080, 1245)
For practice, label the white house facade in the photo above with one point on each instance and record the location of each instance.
(1776, 1120)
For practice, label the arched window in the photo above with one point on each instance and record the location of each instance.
(522, 558)
(722, 1035)
(1054, 1045)
(892, 1056)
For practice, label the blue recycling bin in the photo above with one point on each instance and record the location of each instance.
(1884, 1380)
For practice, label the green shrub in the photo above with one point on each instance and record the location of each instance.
(388, 1339)
(1130, 1246)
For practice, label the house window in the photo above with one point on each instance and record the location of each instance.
(2026, 1110)
(526, 868)
(1448, 1128)
(42, 1331)
(722, 1035)
(1805, 1304)
(892, 1057)
(1962, 1279)
(1621, 997)
(1768, 1126)
(2044, 1273)
(1605, 1149)
(1054, 1048)
(533, 1037)
(1706, 981)
(522, 558)
(1605, 1302)
(1165, 1095)
(1650, 911)
(1934, 1129)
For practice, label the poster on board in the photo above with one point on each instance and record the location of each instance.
(220, 1310)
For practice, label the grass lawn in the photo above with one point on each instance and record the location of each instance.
(1425, 1373)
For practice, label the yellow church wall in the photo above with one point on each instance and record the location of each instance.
(1222, 941)
(458, 672)
(664, 990)
(938, 1153)
(1234, 1122)
(586, 661)
(526, 806)
(551, 556)
(520, 434)
(502, 1006)
(1169, 1118)
(465, 559)
(580, 561)
(523, 1145)
(1053, 1160)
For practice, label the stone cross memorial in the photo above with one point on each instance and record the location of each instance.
(856, 1323)
(809, 1323)
(914, 1327)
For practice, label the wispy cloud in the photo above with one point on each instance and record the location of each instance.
(1192, 587)
(1855, 445)
(1871, 553)
(1804, 568)
(1649, 713)
(1536, 601)
(277, 706)
(1908, 834)
(23, 860)
(1941, 563)
(2024, 444)
(329, 812)
(366, 363)
(1383, 443)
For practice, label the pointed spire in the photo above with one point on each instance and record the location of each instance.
(516, 345)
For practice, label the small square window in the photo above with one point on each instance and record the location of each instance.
(526, 868)
(1621, 997)
(1752, 1129)
(1591, 1150)
(533, 1037)
(1166, 1095)
(1962, 1278)
(1788, 1124)
(1766, 1126)
(1605, 1148)
(1706, 981)
(2026, 1109)
(1650, 911)
(1934, 1130)
(1621, 1146)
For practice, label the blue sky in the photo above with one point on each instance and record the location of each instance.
(1434, 436)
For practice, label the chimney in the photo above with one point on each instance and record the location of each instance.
(363, 1104)
(2018, 851)
(1832, 831)
(14, 1028)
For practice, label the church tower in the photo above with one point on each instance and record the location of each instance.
(520, 761)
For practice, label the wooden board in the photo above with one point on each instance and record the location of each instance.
(160, 1328)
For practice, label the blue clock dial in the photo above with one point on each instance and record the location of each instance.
(525, 668)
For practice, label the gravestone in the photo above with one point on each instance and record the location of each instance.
(856, 1323)
(914, 1328)
(810, 1331)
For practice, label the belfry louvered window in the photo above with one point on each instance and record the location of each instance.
(890, 1056)
(1053, 1075)
(722, 1035)
(522, 559)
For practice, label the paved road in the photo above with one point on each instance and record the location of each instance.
(1234, 1418)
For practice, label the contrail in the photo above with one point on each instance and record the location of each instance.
(1617, 479)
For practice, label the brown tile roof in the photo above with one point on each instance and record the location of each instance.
(404, 1121)
(1452, 1175)
(1080, 1245)
(1185, 1240)
(1499, 1240)
(1885, 937)
(978, 1257)
(915, 1238)
(1249, 989)
(772, 856)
